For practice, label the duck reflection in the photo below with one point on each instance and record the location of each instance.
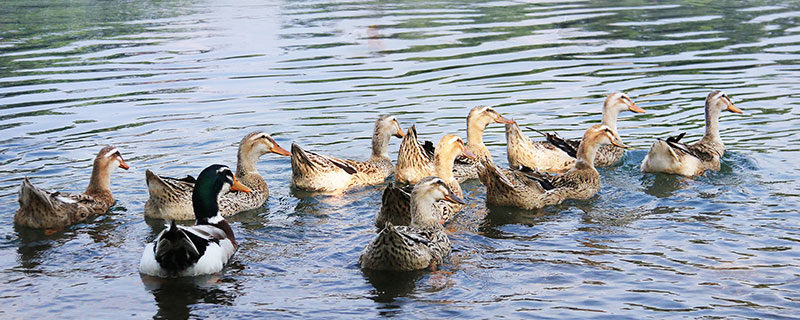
(176, 296)
(35, 244)
(390, 285)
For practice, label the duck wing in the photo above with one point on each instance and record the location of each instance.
(570, 146)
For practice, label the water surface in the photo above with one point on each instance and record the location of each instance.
(176, 84)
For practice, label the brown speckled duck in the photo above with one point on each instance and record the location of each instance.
(477, 120)
(672, 156)
(529, 189)
(414, 159)
(171, 198)
(558, 154)
(52, 210)
(395, 204)
(423, 243)
(316, 172)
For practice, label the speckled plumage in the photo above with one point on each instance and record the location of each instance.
(171, 198)
(530, 189)
(414, 161)
(39, 208)
(316, 172)
(558, 154)
(395, 203)
(422, 244)
(674, 157)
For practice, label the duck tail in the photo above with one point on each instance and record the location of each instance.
(175, 249)
(300, 159)
(489, 173)
(395, 207)
(31, 195)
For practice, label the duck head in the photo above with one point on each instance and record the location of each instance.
(718, 101)
(213, 182)
(424, 195)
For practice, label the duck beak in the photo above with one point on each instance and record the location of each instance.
(505, 120)
(399, 133)
(469, 154)
(281, 151)
(238, 186)
(633, 107)
(123, 165)
(454, 198)
(734, 109)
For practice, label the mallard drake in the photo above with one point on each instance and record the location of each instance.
(414, 159)
(423, 243)
(316, 172)
(530, 189)
(558, 154)
(477, 120)
(395, 204)
(204, 248)
(42, 209)
(675, 157)
(171, 198)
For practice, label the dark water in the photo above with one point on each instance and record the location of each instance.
(176, 84)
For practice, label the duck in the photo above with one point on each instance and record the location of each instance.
(171, 198)
(414, 159)
(42, 209)
(315, 172)
(530, 189)
(477, 121)
(395, 203)
(558, 154)
(675, 157)
(420, 245)
(203, 248)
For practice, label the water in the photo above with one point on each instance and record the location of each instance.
(176, 84)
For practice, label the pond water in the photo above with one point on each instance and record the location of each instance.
(176, 84)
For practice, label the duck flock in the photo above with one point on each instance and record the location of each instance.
(425, 194)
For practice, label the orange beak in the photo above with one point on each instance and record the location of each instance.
(123, 165)
(281, 151)
(633, 107)
(454, 198)
(505, 120)
(238, 186)
(734, 109)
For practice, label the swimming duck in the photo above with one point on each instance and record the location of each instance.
(395, 203)
(414, 159)
(171, 198)
(477, 120)
(423, 243)
(316, 172)
(530, 189)
(204, 248)
(675, 157)
(42, 209)
(558, 154)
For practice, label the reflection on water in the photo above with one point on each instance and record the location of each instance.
(175, 297)
(176, 84)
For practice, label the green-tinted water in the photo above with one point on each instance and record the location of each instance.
(176, 84)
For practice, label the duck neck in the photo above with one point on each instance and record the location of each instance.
(380, 145)
(443, 165)
(246, 161)
(587, 151)
(422, 212)
(610, 115)
(475, 132)
(100, 182)
(712, 127)
(205, 205)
